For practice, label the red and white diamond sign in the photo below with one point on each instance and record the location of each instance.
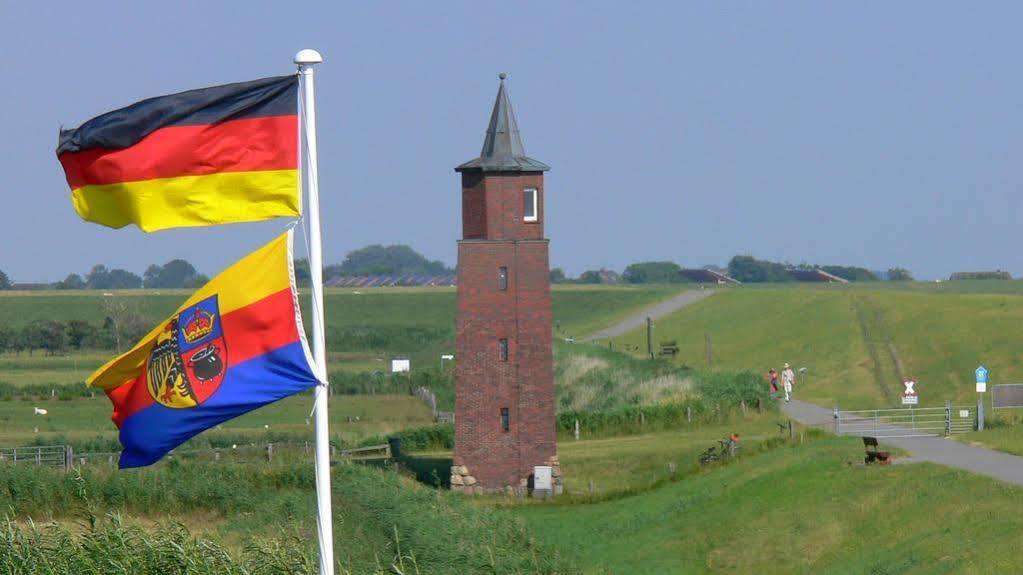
(909, 396)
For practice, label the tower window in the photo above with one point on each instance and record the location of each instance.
(529, 205)
(503, 348)
(502, 278)
(505, 423)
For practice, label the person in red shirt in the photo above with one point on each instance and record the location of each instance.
(772, 376)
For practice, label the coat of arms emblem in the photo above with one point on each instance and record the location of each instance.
(187, 363)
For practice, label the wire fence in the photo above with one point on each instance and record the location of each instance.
(64, 456)
(907, 422)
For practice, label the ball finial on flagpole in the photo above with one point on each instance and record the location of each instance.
(308, 57)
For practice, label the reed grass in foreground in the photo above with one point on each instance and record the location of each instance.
(244, 510)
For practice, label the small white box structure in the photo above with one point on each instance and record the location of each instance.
(542, 484)
(400, 366)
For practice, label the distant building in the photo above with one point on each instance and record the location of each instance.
(30, 286)
(386, 280)
(995, 275)
(707, 276)
(815, 276)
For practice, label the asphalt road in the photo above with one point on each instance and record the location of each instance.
(656, 311)
(1003, 466)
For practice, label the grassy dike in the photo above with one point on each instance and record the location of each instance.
(857, 341)
(796, 509)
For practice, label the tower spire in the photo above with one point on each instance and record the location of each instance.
(502, 148)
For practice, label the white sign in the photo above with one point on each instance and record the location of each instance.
(542, 477)
(964, 413)
(400, 365)
(447, 356)
(981, 379)
(981, 386)
(909, 396)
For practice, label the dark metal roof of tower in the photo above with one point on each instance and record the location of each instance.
(502, 148)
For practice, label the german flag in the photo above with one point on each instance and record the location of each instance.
(211, 156)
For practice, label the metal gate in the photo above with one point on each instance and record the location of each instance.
(907, 421)
(49, 455)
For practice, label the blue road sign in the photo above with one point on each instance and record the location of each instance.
(981, 374)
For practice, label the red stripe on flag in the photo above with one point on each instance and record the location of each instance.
(251, 331)
(246, 145)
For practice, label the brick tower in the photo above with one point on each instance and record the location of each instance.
(504, 376)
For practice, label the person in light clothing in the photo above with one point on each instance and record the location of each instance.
(788, 377)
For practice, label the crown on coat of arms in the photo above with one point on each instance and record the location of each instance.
(198, 327)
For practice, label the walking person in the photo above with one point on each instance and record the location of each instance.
(788, 377)
(772, 376)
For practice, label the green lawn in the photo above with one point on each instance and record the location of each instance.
(617, 464)
(365, 328)
(859, 341)
(352, 418)
(799, 509)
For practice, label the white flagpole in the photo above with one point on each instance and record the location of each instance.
(306, 59)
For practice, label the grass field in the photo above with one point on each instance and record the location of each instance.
(797, 509)
(858, 342)
(365, 327)
(381, 519)
(641, 461)
(86, 422)
(783, 506)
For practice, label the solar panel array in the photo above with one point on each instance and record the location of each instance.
(384, 280)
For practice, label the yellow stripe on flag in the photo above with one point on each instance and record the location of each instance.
(264, 272)
(188, 201)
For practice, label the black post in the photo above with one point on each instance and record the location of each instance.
(650, 337)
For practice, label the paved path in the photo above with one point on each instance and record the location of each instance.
(1003, 466)
(657, 311)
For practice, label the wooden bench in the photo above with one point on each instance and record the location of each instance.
(872, 454)
(669, 348)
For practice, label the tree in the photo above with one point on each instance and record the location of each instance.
(81, 334)
(72, 281)
(899, 275)
(7, 336)
(100, 277)
(392, 260)
(557, 276)
(589, 277)
(33, 335)
(5, 282)
(748, 269)
(53, 337)
(652, 272)
(123, 324)
(122, 279)
(302, 275)
(173, 274)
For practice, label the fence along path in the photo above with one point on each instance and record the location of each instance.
(940, 450)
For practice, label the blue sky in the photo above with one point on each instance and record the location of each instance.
(875, 134)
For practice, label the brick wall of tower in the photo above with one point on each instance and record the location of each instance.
(492, 206)
(483, 383)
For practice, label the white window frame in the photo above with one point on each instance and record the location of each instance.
(536, 206)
